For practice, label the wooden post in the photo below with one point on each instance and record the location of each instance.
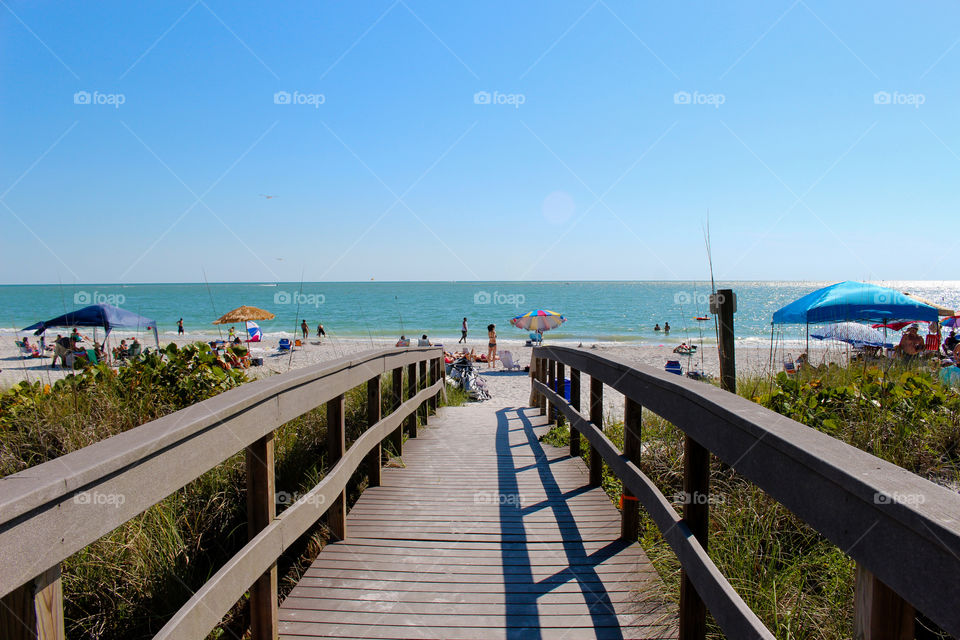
(878, 612)
(575, 401)
(560, 388)
(261, 510)
(35, 610)
(432, 402)
(411, 425)
(596, 417)
(374, 459)
(396, 438)
(336, 447)
(542, 377)
(696, 513)
(630, 512)
(422, 409)
(551, 379)
(725, 304)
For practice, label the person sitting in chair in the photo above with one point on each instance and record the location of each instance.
(911, 344)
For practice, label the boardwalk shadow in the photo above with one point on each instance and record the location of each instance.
(525, 589)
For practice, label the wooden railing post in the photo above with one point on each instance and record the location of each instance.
(422, 409)
(336, 448)
(879, 613)
(261, 510)
(35, 610)
(560, 388)
(575, 402)
(411, 425)
(396, 438)
(596, 417)
(630, 509)
(432, 402)
(374, 459)
(551, 380)
(696, 513)
(542, 377)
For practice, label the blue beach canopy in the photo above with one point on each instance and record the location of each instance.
(854, 301)
(98, 315)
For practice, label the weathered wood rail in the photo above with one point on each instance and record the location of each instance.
(52, 510)
(902, 530)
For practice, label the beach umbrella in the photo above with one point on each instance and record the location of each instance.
(852, 333)
(953, 322)
(539, 320)
(245, 315)
(941, 310)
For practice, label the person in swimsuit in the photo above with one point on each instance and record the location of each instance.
(180, 327)
(304, 329)
(463, 332)
(492, 346)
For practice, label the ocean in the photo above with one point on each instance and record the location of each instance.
(595, 311)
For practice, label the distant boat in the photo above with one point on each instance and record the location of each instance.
(702, 318)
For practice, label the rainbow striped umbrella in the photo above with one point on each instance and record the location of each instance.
(539, 320)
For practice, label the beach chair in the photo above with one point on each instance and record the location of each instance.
(284, 345)
(536, 339)
(932, 342)
(506, 357)
(789, 366)
(26, 351)
(134, 350)
(92, 356)
(674, 366)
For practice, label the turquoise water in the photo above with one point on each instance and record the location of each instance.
(595, 311)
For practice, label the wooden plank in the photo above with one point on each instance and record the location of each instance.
(261, 510)
(423, 413)
(374, 459)
(411, 424)
(696, 514)
(575, 403)
(596, 417)
(396, 437)
(630, 508)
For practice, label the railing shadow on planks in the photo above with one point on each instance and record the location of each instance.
(907, 550)
(42, 521)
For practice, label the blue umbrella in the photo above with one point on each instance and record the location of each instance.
(852, 333)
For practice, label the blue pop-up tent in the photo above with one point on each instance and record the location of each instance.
(106, 316)
(854, 301)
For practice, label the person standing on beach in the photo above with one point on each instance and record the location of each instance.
(304, 329)
(180, 327)
(463, 332)
(491, 346)
(320, 332)
(666, 327)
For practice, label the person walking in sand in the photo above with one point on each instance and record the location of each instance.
(304, 329)
(180, 327)
(463, 332)
(491, 346)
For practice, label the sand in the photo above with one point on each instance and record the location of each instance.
(507, 388)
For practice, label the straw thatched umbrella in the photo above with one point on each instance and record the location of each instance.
(942, 311)
(244, 314)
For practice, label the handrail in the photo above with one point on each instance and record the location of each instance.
(51, 510)
(902, 528)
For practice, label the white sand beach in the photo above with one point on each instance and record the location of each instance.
(507, 388)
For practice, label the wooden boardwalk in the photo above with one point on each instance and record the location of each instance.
(485, 533)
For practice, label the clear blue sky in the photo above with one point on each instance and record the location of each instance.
(400, 175)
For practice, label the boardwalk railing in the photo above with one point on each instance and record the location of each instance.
(902, 530)
(51, 511)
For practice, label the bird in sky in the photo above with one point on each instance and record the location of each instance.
(266, 196)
